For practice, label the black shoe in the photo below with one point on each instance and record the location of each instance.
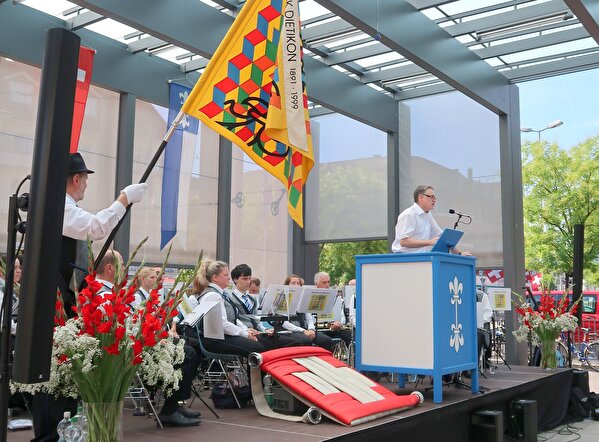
(177, 419)
(188, 412)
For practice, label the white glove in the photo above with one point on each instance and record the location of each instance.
(135, 192)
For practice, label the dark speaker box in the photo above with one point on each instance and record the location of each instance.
(524, 419)
(580, 379)
(46, 207)
(486, 426)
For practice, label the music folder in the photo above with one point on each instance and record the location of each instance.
(447, 241)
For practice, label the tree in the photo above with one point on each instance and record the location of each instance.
(561, 189)
(337, 259)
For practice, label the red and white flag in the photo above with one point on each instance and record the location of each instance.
(534, 279)
(494, 275)
(84, 78)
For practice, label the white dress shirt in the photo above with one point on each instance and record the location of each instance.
(484, 310)
(13, 324)
(140, 295)
(230, 329)
(79, 224)
(414, 223)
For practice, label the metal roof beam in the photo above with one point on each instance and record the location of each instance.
(407, 31)
(588, 13)
(510, 18)
(355, 54)
(530, 13)
(232, 5)
(540, 41)
(493, 51)
(194, 65)
(84, 19)
(552, 68)
(144, 43)
(193, 25)
(23, 28)
(200, 28)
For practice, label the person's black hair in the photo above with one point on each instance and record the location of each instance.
(240, 270)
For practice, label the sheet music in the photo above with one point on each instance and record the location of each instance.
(336, 313)
(213, 324)
(500, 297)
(319, 301)
(184, 307)
(275, 300)
(349, 291)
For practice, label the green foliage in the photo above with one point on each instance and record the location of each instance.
(561, 189)
(337, 259)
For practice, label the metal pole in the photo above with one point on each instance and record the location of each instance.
(577, 268)
(5, 350)
(143, 179)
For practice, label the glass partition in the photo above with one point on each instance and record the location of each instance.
(19, 96)
(347, 188)
(198, 185)
(259, 220)
(455, 148)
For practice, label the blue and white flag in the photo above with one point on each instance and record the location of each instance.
(172, 162)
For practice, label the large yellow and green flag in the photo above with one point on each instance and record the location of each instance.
(252, 92)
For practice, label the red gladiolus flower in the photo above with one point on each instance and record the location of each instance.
(113, 349)
(62, 359)
(105, 327)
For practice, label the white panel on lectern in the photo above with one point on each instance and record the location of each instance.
(397, 293)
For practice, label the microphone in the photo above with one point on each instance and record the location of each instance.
(460, 216)
(459, 213)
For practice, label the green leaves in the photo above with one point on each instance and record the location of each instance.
(337, 259)
(561, 189)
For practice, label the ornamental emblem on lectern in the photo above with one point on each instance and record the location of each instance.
(457, 338)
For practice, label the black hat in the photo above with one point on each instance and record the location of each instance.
(77, 165)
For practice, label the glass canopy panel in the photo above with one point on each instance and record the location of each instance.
(112, 29)
(347, 188)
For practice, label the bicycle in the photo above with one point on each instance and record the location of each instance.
(587, 353)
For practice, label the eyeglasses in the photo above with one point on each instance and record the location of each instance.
(432, 197)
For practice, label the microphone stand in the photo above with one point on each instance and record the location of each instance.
(455, 226)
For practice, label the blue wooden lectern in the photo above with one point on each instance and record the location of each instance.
(416, 314)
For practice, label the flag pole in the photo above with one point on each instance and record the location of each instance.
(143, 179)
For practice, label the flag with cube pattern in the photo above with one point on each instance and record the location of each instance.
(252, 93)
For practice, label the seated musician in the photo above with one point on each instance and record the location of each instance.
(239, 339)
(248, 306)
(305, 325)
(337, 329)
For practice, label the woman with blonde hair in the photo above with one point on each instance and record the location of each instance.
(146, 281)
(239, 339)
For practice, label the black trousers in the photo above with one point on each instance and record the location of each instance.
(344, 335)
(47, 412)
(188, 368)
(235, 345)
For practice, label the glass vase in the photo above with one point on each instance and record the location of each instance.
(548, 356)
(104, 421)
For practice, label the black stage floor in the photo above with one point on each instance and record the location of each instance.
(449, 421)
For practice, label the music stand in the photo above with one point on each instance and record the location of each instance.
(447, 241)
(501, 301)
(317, 301)
(275, 300)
